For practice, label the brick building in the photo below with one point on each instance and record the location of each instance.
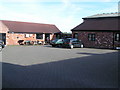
(11, 32)
(99, 31)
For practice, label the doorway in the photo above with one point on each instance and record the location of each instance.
(3, 37)
(47, 38)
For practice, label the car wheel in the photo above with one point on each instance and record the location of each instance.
(71, 46)
(81, 46)
(53, 45)
(57, 45)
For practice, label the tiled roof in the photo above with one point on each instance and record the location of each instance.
(116, 14)
(16, 26)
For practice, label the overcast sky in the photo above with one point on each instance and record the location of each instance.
(65, 14)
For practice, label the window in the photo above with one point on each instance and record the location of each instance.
(39, 36)
(91, 37)
(58, 36)
(28, 35)
(117, 37)
(75, 35)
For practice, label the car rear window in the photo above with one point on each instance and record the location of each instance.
(71, 40)
(1, 41)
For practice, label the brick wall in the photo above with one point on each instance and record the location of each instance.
(3, 28)
(13, 38)
(103, 39)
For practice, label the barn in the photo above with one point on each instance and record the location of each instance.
(99, 31)
(11, 32)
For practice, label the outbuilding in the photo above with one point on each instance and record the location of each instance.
(99, 31)
(12, 32)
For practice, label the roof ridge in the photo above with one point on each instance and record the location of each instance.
(108, 13)
(112, 14)
(27, 22)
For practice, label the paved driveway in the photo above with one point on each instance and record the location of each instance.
(47, 67)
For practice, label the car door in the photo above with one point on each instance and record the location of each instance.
(76, 43)
(60, 41)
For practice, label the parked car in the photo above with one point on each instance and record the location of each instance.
(57, 42)
(72, 42)
(1, 45)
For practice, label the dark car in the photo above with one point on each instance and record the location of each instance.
(57, 42)
(1, 45)
(72, 42)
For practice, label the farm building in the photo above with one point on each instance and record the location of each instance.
(99, 31)
(15, 32)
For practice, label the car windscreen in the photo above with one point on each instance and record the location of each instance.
(59, 40)
(74, 40)
(55, 40)
(67, 40)
(1, 41)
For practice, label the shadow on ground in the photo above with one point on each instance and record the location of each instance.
(50, 46)
(95, 71)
